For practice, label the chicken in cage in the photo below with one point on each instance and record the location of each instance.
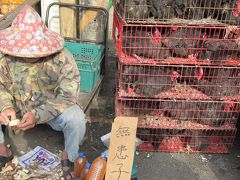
(180, 11)
(180, 113)
(186, 140)
(177, 81)
(176, 44)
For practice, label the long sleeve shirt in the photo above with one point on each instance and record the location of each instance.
(46, 87)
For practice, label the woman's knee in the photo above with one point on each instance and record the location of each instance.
(74, 117)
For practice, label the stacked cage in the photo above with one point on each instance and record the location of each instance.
(179, 72)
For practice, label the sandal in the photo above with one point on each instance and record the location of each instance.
(68, 172)
(4, 160)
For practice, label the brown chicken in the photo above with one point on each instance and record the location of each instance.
(156, 81)
(183, 41)
(144, 43)
(223, 82)
(219, 50)
(182, 110)
(216, 114)
(135, 9)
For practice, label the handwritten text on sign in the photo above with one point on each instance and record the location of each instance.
(121, 150)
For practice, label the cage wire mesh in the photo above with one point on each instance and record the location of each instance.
(186, 140)
(216, 12)
(176, 44)
(179, 72)
(173, 125)
(175, 113)
(178, 81)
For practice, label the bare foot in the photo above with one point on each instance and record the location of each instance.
(4, 151)
(68, 169)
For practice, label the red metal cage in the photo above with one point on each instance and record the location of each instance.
(176, 113)
(182, 125)
(177, 11)
(186, 140)
(176, 44)
(178, 81)
(178, 72)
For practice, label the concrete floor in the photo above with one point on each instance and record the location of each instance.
(152, 166)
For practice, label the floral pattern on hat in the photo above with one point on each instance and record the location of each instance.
(29, 37)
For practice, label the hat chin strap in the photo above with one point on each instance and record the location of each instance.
(31, 60)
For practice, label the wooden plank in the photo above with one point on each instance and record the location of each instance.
(121, 150)
(86, 98)
(68, 20)
(89, 16)
(6, 20)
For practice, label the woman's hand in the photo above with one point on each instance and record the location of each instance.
(28, 121)
(5, 114)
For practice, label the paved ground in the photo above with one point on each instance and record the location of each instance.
(152, 166)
